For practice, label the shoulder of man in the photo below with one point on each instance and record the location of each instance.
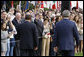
(72, 22)
(58, 22)
(14, 20)
(33, 24)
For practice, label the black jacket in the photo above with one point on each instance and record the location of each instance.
(39, 26)
(15, 23)
(28, 35)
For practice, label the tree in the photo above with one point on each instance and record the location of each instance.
(65, 6)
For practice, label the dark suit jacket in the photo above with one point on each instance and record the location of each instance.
(64, 34)
(15, 23)
(39, 26)
(28, 35)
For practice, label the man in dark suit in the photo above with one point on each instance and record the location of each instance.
(16, 22)
(40, 28)
(64, 34)
(28, 37)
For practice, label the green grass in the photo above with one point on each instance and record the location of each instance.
(79, 54)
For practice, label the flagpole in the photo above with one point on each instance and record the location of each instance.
(70, 6)
(12, 5)
(57, 5)
(28, 5)
(35, 6)
(77, 4)
(24, 5)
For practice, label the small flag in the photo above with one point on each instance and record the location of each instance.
(27, 6)
(57, 5)
(12, 4)
(42, 6)
(60, 5)
(50, 6)
(70, 4)
(77, 5)
(20, 5)
(39, 2)
(53, 6)
(46, 3)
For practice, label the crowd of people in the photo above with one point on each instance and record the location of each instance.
(32, 33)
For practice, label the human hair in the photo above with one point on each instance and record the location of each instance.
(36, 14)
(28, 17)
(46, 19)
(66, 13)
(11, 9)
(18, 13)
(52, 19)
(74, 8)
(2, 26)
(76, 20)
(57, 18)
(3, 11)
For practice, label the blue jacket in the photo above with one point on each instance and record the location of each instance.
(64, 33)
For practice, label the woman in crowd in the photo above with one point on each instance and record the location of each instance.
(7, 28)
(4, 37)
(76, 19)
(46, 39)
(72, 15)
(81, 33)
(11, 31)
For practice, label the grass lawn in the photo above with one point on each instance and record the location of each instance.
(79, 54)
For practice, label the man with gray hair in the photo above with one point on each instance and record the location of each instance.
(17, 21)
(66, 13)
(64, 34)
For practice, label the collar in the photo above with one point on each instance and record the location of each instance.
(66, 18)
